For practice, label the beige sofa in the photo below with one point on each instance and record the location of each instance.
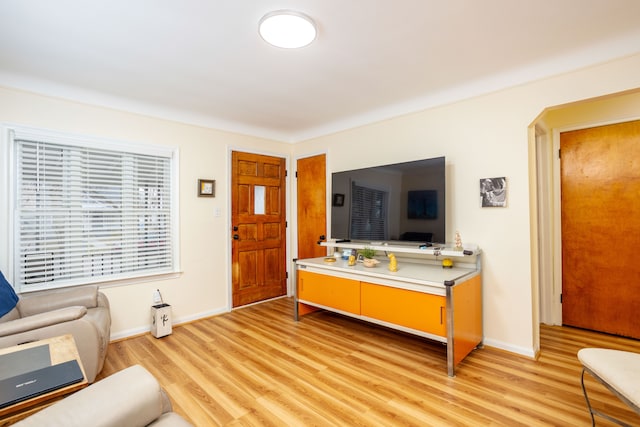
(81, 311)
(131, 397)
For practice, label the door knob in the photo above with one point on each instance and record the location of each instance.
(235, 228)
(322, 237)
(236, 237)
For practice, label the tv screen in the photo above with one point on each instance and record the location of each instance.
(400, 202)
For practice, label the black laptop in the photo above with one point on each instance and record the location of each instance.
(40, 381)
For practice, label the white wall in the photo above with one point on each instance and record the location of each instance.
(203, 286)
(482, 137)
(487, 136)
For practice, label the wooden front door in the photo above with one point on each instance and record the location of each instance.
(312, 206)
(600, 184)
(258, 228)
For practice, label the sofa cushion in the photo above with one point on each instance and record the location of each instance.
(12, 315)
(170, 419)
(8, 297)
(131, 397)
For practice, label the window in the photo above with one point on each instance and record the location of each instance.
(90, 211)
(368, 213)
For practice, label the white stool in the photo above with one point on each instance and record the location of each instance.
(617, 370)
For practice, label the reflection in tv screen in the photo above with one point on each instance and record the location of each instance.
(423, 204)
(395, 202)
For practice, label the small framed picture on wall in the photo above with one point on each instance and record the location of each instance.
(206, 188)
(493, 192)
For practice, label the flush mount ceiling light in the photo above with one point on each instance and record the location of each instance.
(287, 29)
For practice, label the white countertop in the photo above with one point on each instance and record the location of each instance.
(410, 275)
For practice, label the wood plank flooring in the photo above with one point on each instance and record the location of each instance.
(256, 366)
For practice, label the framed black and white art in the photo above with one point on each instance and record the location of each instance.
(493, 192)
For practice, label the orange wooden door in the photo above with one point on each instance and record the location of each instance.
(600, 182)
(259, 228)
(312, 206)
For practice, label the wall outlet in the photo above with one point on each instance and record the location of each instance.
(157, 298)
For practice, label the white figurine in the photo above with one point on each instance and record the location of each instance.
(458, 246)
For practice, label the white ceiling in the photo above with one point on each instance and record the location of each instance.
(202, 61)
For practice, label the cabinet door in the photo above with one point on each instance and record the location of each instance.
(415, 310)
(335, 292)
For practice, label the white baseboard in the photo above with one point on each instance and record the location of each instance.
(177, 321)
(529, 352)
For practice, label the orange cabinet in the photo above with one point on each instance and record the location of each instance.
(425, 299)
(335, 292)
(411, 309)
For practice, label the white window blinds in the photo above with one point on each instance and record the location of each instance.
(368, 213)
(86, 214)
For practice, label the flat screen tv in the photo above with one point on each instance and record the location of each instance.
(400, 202)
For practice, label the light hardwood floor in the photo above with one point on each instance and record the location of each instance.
(256, 366)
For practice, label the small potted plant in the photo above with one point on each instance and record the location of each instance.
(368, 252)
(368, 255)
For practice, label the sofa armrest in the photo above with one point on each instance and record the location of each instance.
(102, 300)
(131, 397)
(43, 301)
(41, 320)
